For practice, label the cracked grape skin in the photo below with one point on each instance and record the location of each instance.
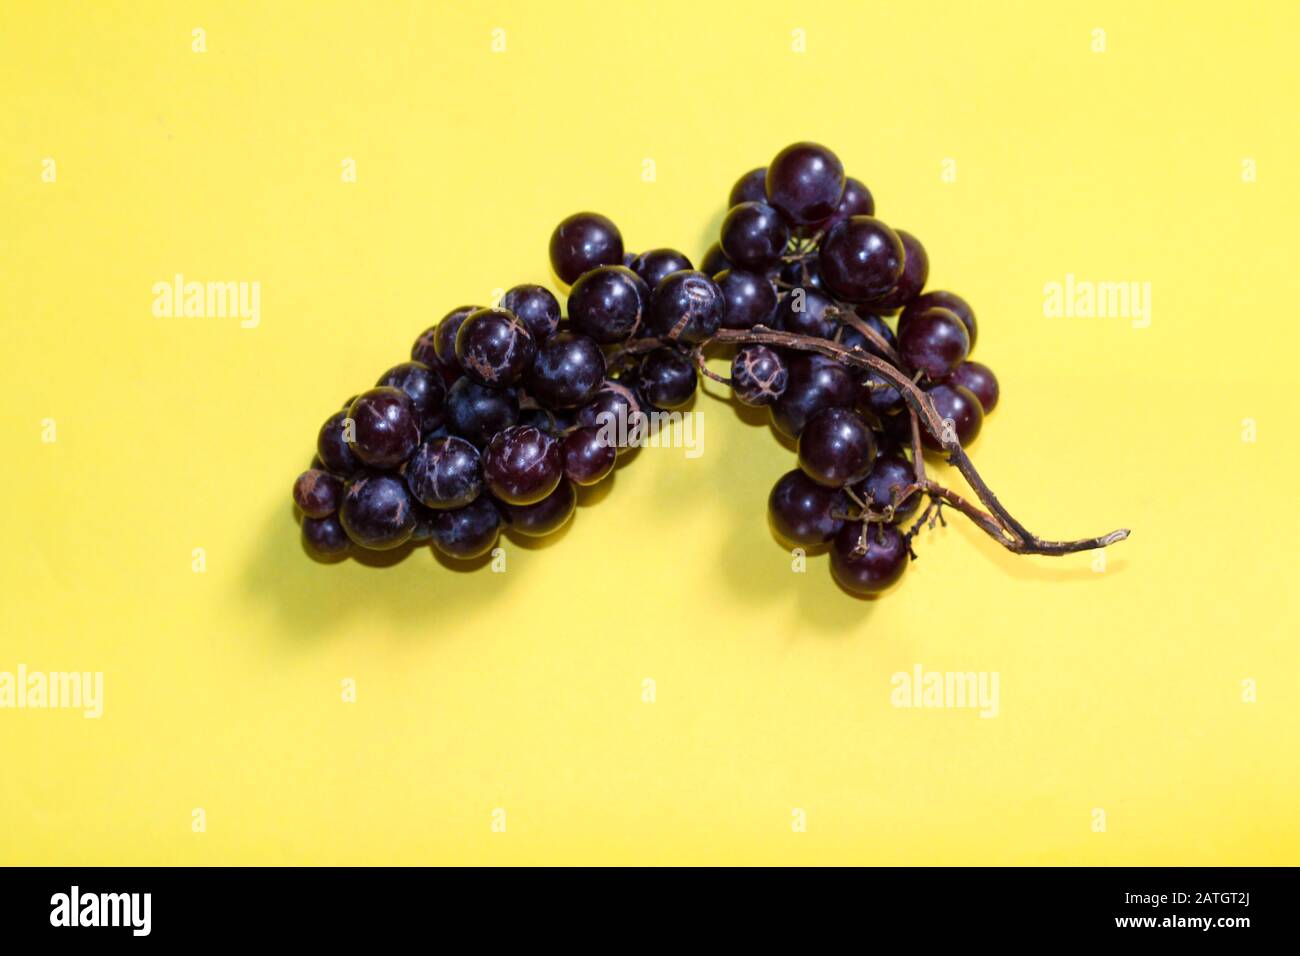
(377, 512)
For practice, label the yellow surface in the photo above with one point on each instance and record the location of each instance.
(522, 691)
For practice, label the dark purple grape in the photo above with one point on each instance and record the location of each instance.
(332, 447)
(889, 476)
(802, 511)
(805, 182)
(536, 307)
(802, 272)
(667, 378)
(861, 259)
(942, 300)
(546, 516)
(445, 473)
(444, 337)
(852, 338)
(836, 448)
(880, 395)
(916, 269)
(616, 411)
(588, 458)
(688, 304)
(385, 429)
(494, 347)
(815, 382)
(567, 371)
(477, 412)
(758, 375)
(377, 512)
(934, 342)
(522, 465)
(856, 201)
(468, 532)
(425, 351)
(960, 412)
(749, 299)
(873, 569)
(582, 242)
(608, 304)
(325, 537)
(807, 312)
(714, 261)
(751, 187)
(317, 493)
(424, 387)
(754, 236)
(655, 265)
(980, 380)
(423, 530)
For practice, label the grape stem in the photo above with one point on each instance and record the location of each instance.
(997, 522)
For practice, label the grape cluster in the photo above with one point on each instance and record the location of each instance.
(503, 411)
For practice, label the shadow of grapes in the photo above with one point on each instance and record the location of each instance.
(313, 599)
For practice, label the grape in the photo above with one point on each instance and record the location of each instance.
(444, 337)
(714, 261)
(749, 299)
(476, 412)
(445, 473)
(654, 265)
(332, 447)
(758, 375)
(567, 371)
(959, 406)
(425, 351)
(861, 259)
(916, 269)
(980, 380)
(836, 448)
(942, 300)
(615, 410)
(608, 304)
(885, 399)
(802, 512)
(807, 312)
(423, 530)
(815, 382)
(802, 272)
(934, 342)
(317, 493)
(468, 532)
(377, 512)
(494, 347)
(546, 516)
(667, 378)
(754, 236)
(536, 307)
(588, 458)
(852, 338)
(424, 387)
(751, 187)
(686, 303)
(880, 565)
(856, 201)
(806, 182)
(325, 537)
(385, 428)
(888, 477)
(553, 421)
(522, 465)
(582, 242)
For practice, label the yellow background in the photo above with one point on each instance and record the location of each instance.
(1120, 690)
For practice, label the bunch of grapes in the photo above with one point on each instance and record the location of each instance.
(502, 411)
